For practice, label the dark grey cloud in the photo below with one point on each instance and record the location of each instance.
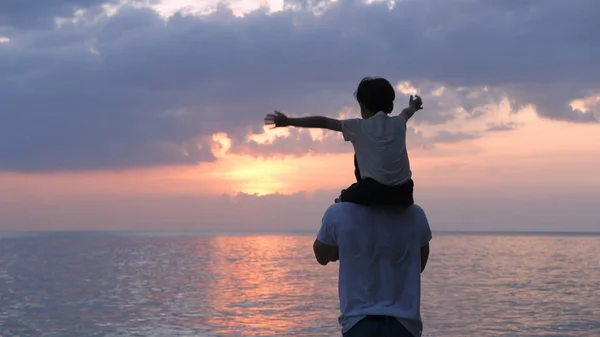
(35, 14)
(133, 90)
(552, 99)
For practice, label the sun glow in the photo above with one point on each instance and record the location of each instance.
(531, 155)
(246, 174)
(260, 178)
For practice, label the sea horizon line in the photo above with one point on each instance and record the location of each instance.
(277, 232)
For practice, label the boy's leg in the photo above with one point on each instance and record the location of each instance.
(356, 170)
(365, 192)
(370, 192)
(401, 194)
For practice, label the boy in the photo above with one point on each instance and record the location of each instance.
(381, 162)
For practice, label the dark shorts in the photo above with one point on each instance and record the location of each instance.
(378, 326)
(371, 192)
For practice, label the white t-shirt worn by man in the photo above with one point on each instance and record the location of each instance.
(380, 261)
(380, 146)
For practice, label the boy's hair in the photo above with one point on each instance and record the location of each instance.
(376, 94)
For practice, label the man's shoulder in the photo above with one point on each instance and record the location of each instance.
(340, 208)
(415, 209)
(351, 215)
(344, 208)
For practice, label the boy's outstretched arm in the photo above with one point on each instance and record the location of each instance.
(407, 113)
(414, 104)
(320, 122)
(278, 119)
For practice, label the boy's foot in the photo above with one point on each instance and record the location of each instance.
(338, 198)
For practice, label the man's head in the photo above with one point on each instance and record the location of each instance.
(375, 94)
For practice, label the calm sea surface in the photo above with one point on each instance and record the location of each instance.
(269, 285)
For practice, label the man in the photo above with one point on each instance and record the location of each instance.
(382, 251)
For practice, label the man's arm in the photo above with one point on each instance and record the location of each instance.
(425, 235)
(325, 253)
(424, 256)
(317, 122)
(325, 246)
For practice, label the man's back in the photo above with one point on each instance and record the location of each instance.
(380, 261)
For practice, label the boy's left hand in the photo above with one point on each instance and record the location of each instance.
(277, 119)
(415, 102)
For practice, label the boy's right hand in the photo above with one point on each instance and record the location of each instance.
(277, 119)
(415, 102)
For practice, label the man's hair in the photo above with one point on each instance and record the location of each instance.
(376, 94)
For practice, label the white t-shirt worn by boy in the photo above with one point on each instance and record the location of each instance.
(380, 146)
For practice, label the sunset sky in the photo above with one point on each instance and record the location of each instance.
(148, 115)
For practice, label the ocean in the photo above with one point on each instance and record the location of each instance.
(193, 284)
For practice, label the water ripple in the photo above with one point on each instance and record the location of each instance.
(222, 286)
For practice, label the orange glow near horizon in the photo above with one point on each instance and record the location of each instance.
(541, 161)
(539, 153)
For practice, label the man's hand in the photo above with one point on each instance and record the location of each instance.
(415, 102)
(325, 253)
(277, 119)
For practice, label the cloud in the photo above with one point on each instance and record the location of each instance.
(445, 136)
(501, 126)
(33, 14)
(300, 142)
(131, 89)
(504, 209)
(240, 212)
(451, 115)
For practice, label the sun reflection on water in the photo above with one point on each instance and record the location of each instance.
(262, 286)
